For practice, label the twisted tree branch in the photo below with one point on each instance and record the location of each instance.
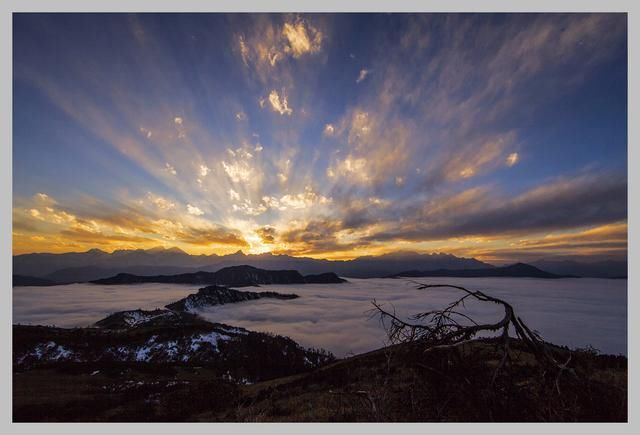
(442, 328)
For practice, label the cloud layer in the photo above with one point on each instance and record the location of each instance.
(335, 317)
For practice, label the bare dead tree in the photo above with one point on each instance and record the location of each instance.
(446, 327)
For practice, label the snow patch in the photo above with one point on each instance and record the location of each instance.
(49, 351)
(212, 338)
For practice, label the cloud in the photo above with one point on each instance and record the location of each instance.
(264, 48)
(302, 200)
(329, 130)
(363, 75)
(238, 171)
(42, 199)
(562, 204)
(318, 231)
(457, 103)
(241, 116)
(270, 45)
(290, 201)
(233, 195)
(608, 236)
(160, 202)
(378, 149)
(349, 167)
(146, 132)
(204, 170)
(131, 224)
(464, 222)
(279, 103)
(512, 159)
(80, 235)
(210, 236)
(302, 38)
(470, 160)
(248, 208)
(607, 241)
(334, 317)
(267, 234)
(244, 50)
(177, 120)
(194, 210)
(170, 169)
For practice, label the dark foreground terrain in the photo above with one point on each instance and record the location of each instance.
(399, 383)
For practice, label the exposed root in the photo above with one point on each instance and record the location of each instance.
(446, 327)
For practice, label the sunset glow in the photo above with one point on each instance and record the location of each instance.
(496, 137)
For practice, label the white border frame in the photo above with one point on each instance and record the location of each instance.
(7, 7)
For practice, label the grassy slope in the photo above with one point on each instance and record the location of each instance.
(394, 384)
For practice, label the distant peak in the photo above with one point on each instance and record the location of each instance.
(174, 249)
(95, 251)
(520, 264)
(239, 253)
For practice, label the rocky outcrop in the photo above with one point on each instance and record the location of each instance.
(153, 318)
(216, 295)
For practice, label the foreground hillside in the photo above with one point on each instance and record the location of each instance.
(400, 383)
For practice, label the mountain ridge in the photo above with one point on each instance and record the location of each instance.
(216, 295)
(77, 266)
(516, 270)
(587, 269)
(232, 276)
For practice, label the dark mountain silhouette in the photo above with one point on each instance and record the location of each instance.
(21, 280)
(233, 276)
(96, 264)
(216, 295)
(361, 267)
(148, 318)
(594, 269)
(518, 270)
(323, 278)
(40, 265)
(89, 273)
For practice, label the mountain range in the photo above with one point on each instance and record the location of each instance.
(233, 276)
(97, 264)
(589, 269)
(517, 270)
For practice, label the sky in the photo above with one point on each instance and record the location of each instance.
(496, 136)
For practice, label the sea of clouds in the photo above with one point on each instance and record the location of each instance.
(337, 317)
